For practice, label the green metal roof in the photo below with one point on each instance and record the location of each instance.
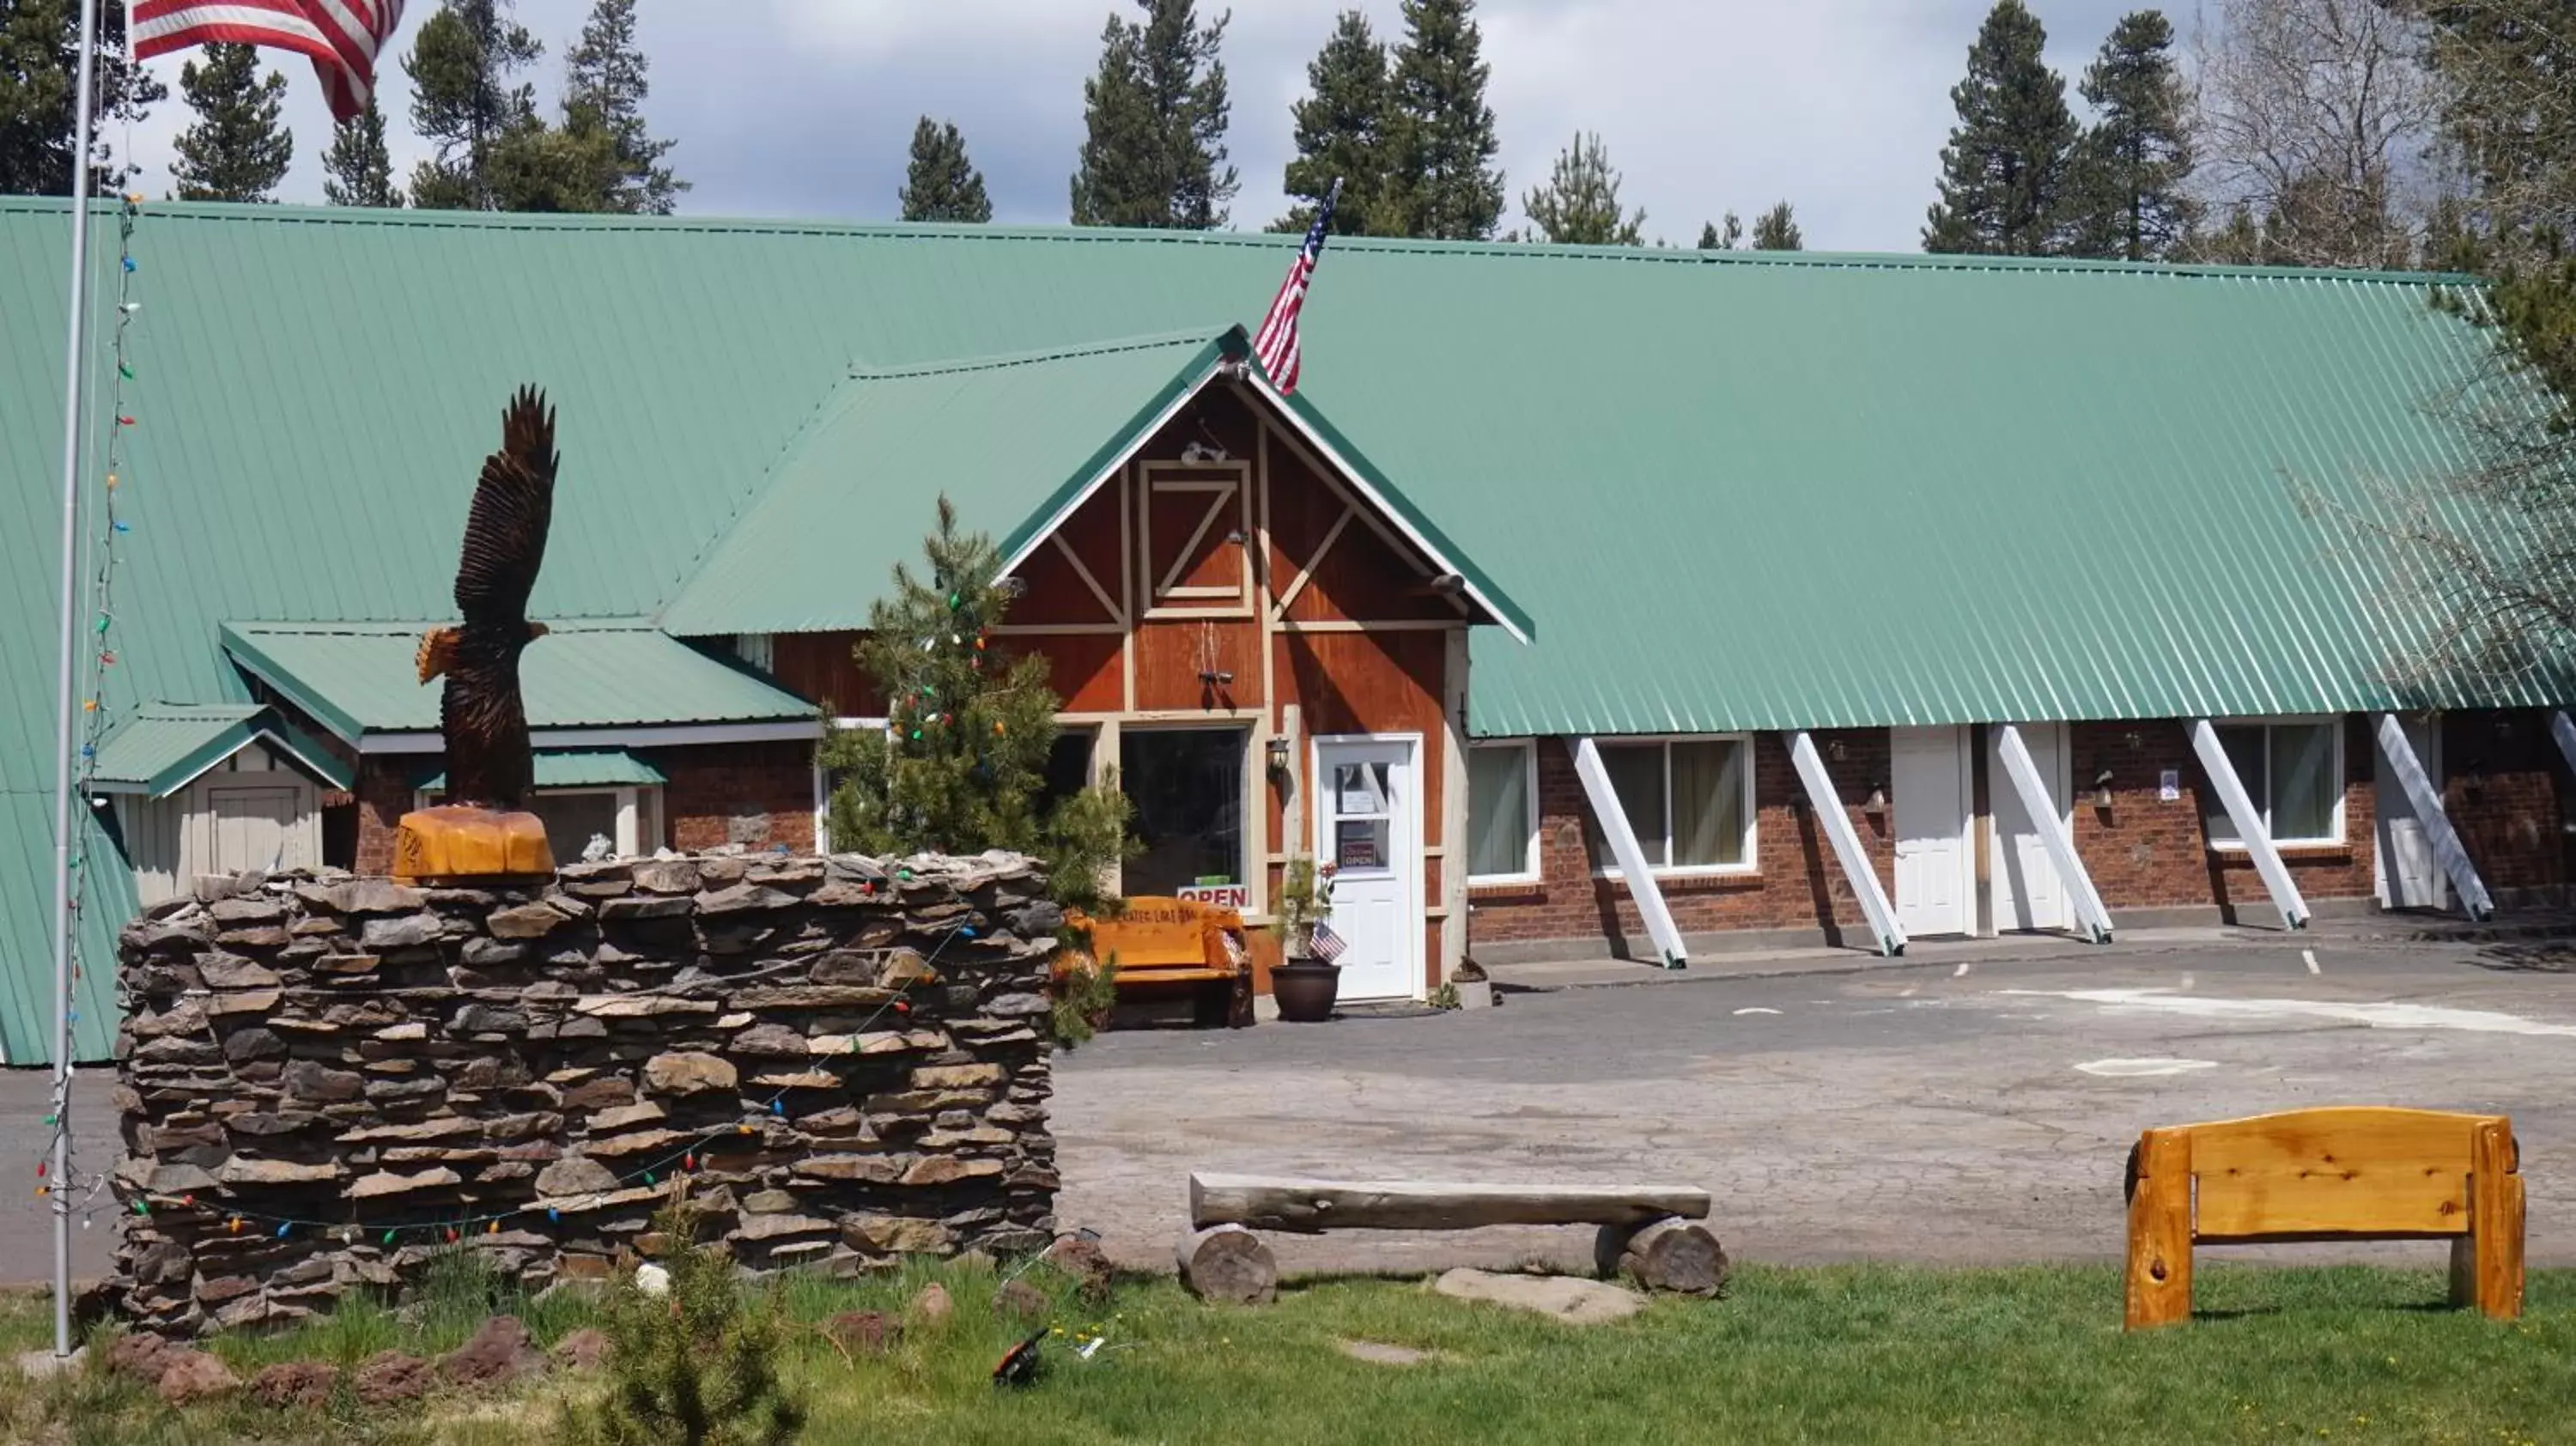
(361, 679)
(166, 745)
(574, 768)
(1020, 438)
(1737, 490)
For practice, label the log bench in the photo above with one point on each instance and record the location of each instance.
(2326, 1174)
(1647, 1232)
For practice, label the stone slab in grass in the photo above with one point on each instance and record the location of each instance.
(1559, 1297)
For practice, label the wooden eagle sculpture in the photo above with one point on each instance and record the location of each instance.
(490, 766)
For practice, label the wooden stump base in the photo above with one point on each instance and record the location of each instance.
(438, 846)
(1228, 1263)
(1679, 1257)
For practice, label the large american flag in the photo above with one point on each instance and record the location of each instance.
(1277, 343)
(341, 36)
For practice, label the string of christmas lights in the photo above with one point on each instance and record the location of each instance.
(101, 553)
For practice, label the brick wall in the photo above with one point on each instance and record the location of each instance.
(1795, 884)
(2147, 853)
(2502, 783)
(2502, 776)
(759, 795)
(384, 796)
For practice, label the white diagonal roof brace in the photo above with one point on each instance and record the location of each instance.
(2426, 801)
(1626, 851)
(1838, 827)
(2090, 916)
(2250, 828)
(2564, 731)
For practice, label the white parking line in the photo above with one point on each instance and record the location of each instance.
(1961, 972)
(2310, 955)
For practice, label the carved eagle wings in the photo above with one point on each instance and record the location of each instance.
(480, 714)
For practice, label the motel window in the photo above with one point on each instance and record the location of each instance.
(1689, 800)
(2293, 772)
(1502, 812)
(1068, 766)
(1186, 786)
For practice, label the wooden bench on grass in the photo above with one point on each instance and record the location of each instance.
(2327, 1174)
(1648, 1232)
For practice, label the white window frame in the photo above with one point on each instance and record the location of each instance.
(2334, 726)
(823, 782)
(1529, 872)
(1752, 858)
(639, 812)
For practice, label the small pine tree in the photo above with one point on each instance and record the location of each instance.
(236, 150)
(1342, 129)
(961, 766)
(941, 184)
(696, 1365)
(2126, 188)
(1777, 230)
(357, 170)
(1444, 137)
(1713, 239)
(1154, 118)
(2003, 174)
(1579, 205)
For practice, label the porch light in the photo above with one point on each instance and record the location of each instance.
(1876, 804)
(2102, 789)
(1276, 753)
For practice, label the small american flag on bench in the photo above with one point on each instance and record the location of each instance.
(1328, 946)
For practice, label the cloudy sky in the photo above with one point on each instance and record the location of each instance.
(805, 107)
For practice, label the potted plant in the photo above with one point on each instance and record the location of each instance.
(1304, 985)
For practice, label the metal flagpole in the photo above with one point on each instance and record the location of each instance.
(73, 347)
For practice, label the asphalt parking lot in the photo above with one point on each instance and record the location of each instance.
(1970, 1108)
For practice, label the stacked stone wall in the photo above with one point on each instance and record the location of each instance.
(327, 1080)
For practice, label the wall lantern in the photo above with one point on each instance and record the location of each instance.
(2102, 789)
(1277, 753)
(1876, 804)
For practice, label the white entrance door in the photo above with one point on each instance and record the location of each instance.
(1935, 874)
(2408, 876)
(1368, 825)
(2028, 893)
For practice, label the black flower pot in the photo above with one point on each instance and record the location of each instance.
(1305, 989)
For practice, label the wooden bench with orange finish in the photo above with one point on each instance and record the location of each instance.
(1168, 941)
(2327, 1174)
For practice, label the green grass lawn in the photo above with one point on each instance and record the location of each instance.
(1841, 1355)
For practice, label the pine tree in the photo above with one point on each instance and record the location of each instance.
(1154, 117)
(236, 150)
(1342, 133)
(39, 67)
(464, 101)
(1444, 132)
(2126, 188)
(941, 184)
(357, 170)
(1713, 239)
(1579, 205)
(2003, 174)
(692, 1365)
(604, 90)
(1777, 230)
(961, 766)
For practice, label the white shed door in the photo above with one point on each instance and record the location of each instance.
(253, 828)
(1934, 873)
(1369, 826)
(2028, 893)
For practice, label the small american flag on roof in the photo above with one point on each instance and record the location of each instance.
(1277, 345)
(341, 36)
